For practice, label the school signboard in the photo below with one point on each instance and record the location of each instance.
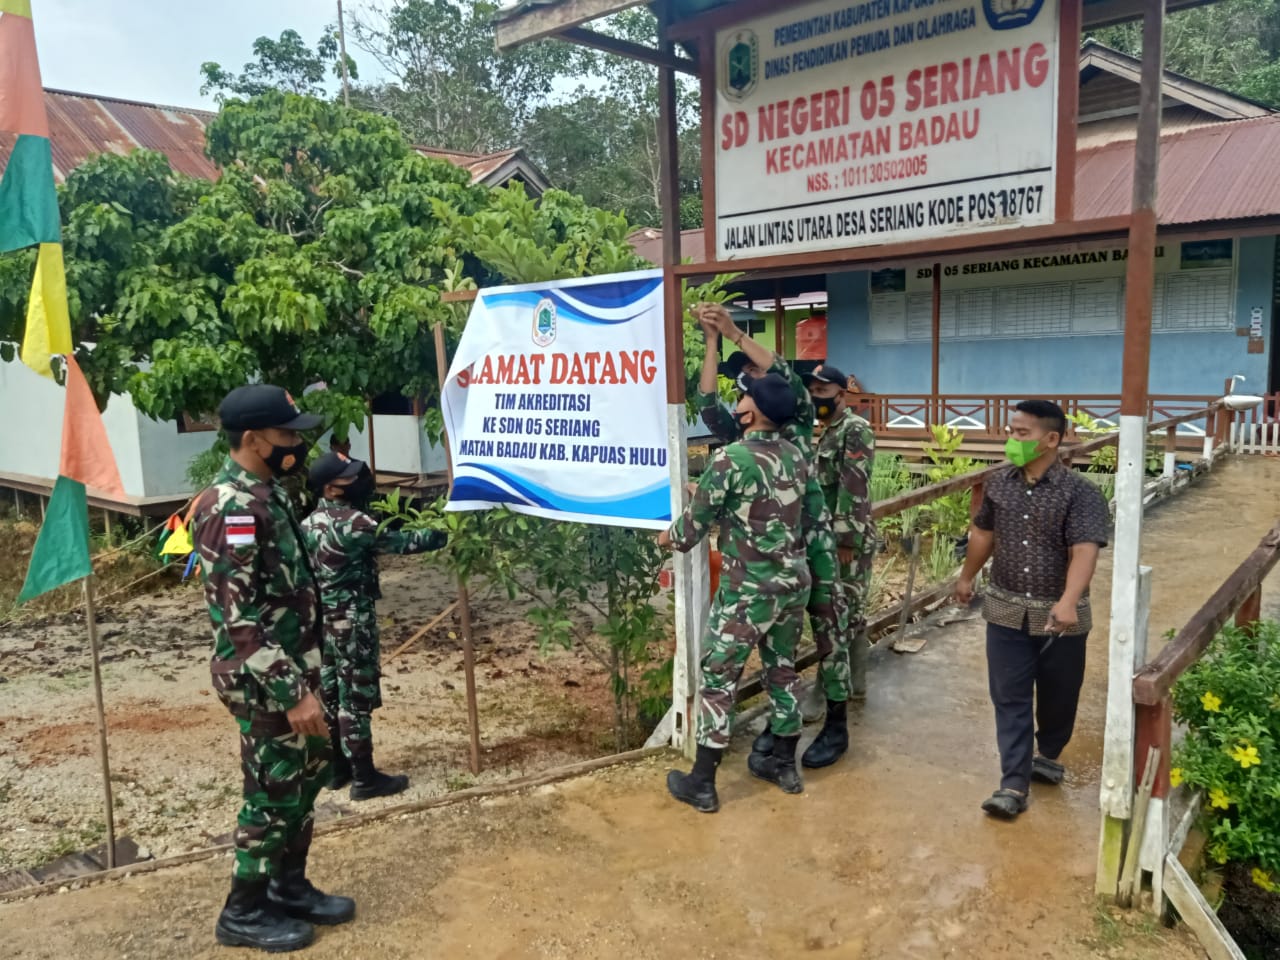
(555, 403)
(849, 124)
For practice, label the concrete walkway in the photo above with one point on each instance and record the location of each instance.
(885, 855)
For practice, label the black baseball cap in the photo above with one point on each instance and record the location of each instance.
(330, 467)
(826, 373)
(261, 405)
(773, 397)
(733, 367)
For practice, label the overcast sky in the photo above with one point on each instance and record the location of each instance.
(151, 50)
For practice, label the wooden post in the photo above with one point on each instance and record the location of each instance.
(373, 456)
(1116, 797)
(1170, 452)
(1250, 611)
(342, 48)
(779, 321)
(1154, 732)
(936, 340)
(690, 570)
(91, 623)
(464, 599)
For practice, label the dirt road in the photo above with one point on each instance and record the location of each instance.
(884, 856)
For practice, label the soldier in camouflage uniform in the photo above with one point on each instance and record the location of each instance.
(344, 543)
(828, 606)
(264, 606)
(845, 455)
(756, 489)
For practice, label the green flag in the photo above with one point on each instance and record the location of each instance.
(61, 554)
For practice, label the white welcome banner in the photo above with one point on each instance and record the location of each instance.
(555, 403)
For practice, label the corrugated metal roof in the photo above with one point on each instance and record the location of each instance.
(1211, 173)
(81, 125)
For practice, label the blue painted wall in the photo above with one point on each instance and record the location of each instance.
(1189, 363)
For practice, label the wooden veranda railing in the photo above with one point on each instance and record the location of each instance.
(988, 416)
(1159, 833)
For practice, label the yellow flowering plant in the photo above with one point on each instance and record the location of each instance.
(1231, 751)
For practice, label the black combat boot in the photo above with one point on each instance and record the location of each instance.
(340, 769)
(833, 740)
(371, 782)
(698, 787)
(293, 893)
(780, 766)
(764, 742)
(250, 919)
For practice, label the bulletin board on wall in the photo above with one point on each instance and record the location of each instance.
(811, 337)
(1055, 295)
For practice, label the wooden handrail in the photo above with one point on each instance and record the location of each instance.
(1153, 682)
(966, 481)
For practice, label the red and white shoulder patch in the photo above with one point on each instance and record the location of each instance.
(242, 529)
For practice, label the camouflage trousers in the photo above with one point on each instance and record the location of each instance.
(829, 615)
(857, 586)
(739, 623)
(350, 677)
(283, 775)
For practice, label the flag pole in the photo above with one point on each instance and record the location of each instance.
(91, 621)
(464, 601)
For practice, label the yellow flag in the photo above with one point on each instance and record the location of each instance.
(48, 322)
(179, 542)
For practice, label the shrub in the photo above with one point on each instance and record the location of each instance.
(1230, 703)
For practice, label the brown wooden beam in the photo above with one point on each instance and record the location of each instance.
(1094, 15)
(1154, 681)
(669, 156)
(861, 258)
(538, 22)
(625, 48)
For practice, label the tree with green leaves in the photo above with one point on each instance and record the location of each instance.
(446, 84)
(287, 64)
(602, 142)
(1234, 45)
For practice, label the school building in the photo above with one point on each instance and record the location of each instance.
(1049, 321)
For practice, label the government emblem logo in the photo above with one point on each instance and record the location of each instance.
(1010, 14)
(740, 66)
(544, 323)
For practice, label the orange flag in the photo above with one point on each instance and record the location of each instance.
(86, 452)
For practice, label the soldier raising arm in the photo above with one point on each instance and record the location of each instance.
(344, 543)
(755, 490)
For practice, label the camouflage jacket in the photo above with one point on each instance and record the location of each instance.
(757, 490)
(344, 543)
(845, 452)
(261, 592)
(799, 431)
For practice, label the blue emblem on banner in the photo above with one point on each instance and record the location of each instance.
(544, 323)
(1010, 14)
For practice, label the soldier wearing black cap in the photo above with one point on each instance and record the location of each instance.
(757, 490)
(344, 543)
(845, 454)
(264, 606)
(828, 606)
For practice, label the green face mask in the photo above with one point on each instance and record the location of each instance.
(1021, 452)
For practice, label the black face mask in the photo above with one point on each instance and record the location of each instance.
(743, 423)
(359, 490)
(286, 461)
(824, 408)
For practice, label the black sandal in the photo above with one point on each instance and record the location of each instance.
(1005, 804)
(1047, 771)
